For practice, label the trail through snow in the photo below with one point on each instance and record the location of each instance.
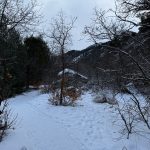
(36, 130)
(88, 126)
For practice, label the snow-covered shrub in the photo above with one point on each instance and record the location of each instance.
(100, 99)
(44, 89)
(70, 96)
(54, 97)
(104, 97)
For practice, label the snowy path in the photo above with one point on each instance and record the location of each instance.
(36, 130)
(88, 126)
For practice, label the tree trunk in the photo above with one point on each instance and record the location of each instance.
(63, 76)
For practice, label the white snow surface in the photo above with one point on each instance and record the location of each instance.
(87, 126)
(70, 71)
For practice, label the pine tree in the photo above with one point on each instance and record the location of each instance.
(38, 56)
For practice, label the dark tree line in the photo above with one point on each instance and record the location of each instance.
(23, 63)
(38, 60)
(20, 59)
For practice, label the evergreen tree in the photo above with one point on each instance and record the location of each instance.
(38, 55)
(12, 68)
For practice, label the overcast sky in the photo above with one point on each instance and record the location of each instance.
(82, 9)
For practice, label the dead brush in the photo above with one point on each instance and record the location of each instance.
(70, 96)
(7, 121)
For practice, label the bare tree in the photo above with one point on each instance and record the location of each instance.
(104, 27)
(60, 38)
(16, 14)
(110, 29)
(127, 10)
(133, 54)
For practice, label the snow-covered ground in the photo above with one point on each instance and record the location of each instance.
(88, 126)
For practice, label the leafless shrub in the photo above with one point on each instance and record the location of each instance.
(71, 95)
(54, 96)
(143, 111)
(133, 112)
(6, 119)
(44, 89)
(128, 117)
(104, 97)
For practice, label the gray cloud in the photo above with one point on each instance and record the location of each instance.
(83, 9)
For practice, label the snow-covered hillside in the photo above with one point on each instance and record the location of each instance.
(88, 126)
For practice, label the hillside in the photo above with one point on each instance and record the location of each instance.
(121, 56)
